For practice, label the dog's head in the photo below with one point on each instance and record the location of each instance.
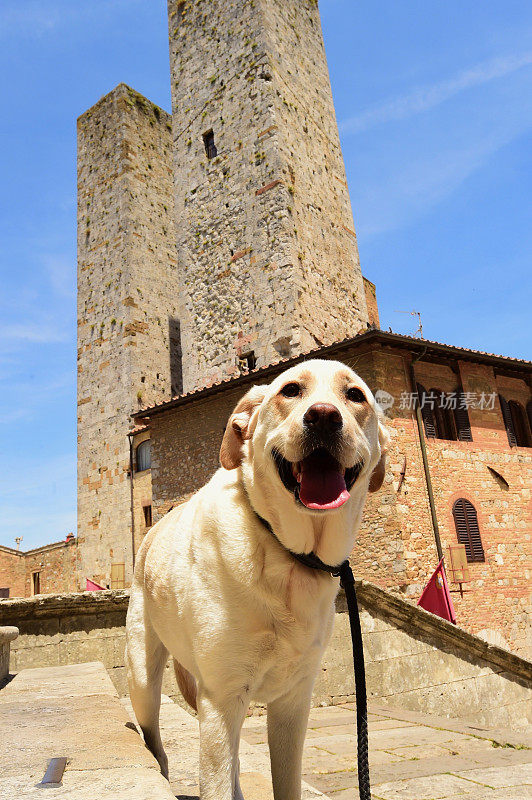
(314, 436)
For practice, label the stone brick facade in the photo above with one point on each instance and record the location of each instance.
(268, 260)
(54, 565)
(396, 547)
(128, 332)
(414, 660)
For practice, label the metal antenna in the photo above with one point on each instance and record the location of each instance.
(419, 332)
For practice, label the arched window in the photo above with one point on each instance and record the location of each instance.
(143, 456)
(515, 422)
(467, 532)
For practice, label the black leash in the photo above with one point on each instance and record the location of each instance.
(347, 581)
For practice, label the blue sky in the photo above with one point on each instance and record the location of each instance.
(434, 104)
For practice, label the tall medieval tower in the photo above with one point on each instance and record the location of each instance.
(214, 240)
(267, 252)
(128, 332)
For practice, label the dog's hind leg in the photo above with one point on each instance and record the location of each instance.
(146, 657)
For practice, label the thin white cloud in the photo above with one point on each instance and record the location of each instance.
(31, 333)
(426, 97)
(418, 183)
(35, 18)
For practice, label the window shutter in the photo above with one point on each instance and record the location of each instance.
(427, 414)
(508, 424)
(517, 413)
(467, 531)
(461, 418)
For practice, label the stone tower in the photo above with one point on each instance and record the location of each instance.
(267, 252)
(128, 334)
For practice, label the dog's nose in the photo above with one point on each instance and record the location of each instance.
(323, 418)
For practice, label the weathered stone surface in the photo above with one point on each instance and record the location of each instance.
(413, 659)
(7, 635)
(122, 783)
(409, 759)
(268, 259)
(412, 756)
(181, 740)
(73, 712)
(128, 348)
(68, 682)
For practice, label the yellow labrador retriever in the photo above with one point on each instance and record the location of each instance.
(217, 590)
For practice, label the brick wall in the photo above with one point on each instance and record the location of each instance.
(56, 564)
(371, 302)
(396, 545)
(497, 603)
(12, 571)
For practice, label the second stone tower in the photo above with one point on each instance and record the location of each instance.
(267, 252)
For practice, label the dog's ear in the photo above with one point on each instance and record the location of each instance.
(238, 429)
(377, 476)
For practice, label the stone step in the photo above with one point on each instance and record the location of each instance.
(73, 712)
(180, 735)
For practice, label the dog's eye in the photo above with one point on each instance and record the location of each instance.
(291, 390)
(356, 395)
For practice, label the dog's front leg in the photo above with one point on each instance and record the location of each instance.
(287, 725)
(220, 725)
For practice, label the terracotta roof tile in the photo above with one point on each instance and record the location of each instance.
(385, 337)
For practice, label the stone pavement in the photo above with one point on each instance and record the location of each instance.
(412, 757)
(72, 712)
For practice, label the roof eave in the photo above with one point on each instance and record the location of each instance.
(373, 335)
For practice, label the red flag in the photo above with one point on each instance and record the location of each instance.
(93, 587)
(436, 596)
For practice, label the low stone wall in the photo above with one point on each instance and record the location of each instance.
(414, 660)
(8, 634)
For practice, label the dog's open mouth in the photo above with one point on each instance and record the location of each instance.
(318, 481)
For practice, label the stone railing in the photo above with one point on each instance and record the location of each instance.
(7, 635)
(416, 620)
(414, 660)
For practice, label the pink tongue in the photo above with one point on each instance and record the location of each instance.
(322, 483)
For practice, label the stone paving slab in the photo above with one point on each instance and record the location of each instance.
(518, 738)
(502, 776)
(180, 734)
(77, 680)
(73, 712)
(123, 783)
(412, 756)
